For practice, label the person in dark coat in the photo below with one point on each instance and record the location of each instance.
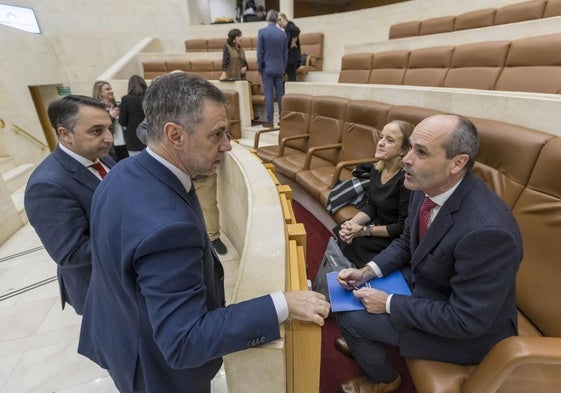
(293, 37)
(132, 114)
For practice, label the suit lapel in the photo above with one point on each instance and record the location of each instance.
(441, 224)
(79, 172)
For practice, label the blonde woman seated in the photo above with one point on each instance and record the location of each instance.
(383, 217)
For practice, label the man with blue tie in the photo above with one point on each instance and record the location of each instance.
(459, 252)
(59, 192)
(272, 56)
(155, 315)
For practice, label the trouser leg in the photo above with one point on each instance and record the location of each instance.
(366, 334)
(279, 90)
(268, 90)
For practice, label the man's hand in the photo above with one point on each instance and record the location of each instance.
(373, 299)
(354, 276)
(307, 306)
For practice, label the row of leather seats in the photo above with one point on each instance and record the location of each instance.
(321, 138)
(528, 64)
(527, 10)
(310, 44)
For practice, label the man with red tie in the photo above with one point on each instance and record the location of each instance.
(59, 192)
(459, 253)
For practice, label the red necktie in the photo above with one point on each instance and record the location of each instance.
(99, 168)
(424, 216)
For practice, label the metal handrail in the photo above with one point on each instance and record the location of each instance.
(18, 129)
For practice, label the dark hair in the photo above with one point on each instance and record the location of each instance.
(232, 35)
(177, 97)
(463, 140)
(137, 85)
(64, 112)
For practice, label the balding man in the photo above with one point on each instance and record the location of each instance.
(460, 252)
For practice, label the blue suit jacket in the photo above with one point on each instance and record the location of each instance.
(57, 201)
(155, 312)
(462, 275)
(272, 50)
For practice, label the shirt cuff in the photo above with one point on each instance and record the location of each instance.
(375, 269)
(281, 306)
(388, 301)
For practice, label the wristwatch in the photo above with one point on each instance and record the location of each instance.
(367, 230)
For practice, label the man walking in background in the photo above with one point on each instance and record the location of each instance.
(272, 56)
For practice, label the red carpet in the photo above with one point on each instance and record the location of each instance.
(336, 367)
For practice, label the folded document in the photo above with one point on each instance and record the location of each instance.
(344, 300)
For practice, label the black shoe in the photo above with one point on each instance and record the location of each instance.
(220, 247)
(268, 125)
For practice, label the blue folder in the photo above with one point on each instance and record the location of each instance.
(344, 300)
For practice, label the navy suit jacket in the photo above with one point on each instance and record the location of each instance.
(272, 50)
(155, 312)
(462, 275)
(57, 201)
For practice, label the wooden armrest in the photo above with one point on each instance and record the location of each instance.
(508, 355)
(258, 133)
(312, 150)
(290, 138)
(345, 164)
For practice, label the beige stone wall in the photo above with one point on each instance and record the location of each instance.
(80, 40)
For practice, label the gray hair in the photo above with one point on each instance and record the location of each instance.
(272, 16)
(463, 140)
(179, 98)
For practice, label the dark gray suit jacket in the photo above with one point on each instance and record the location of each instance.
(462, 276)
(57, 201)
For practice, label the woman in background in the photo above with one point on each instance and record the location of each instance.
(382, 219)
(102, 90)
(234, 64)
(132, 114)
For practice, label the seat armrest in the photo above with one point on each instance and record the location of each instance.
(509, 354)
(312, 150)
(258, 133)
(344, 164)
(290, 138)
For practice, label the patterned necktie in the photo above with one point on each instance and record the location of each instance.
(99, 168)
(424, 216)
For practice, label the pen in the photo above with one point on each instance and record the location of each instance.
(351, 285)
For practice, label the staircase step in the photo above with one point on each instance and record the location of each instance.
(18, 176)
(17, 198)
(6, 163)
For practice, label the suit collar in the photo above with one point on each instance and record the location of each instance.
(160, 172)
(77, 170)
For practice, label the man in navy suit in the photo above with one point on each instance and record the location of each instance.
(461, 270)
(272, 56)
(155, 314)
(59, 192)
